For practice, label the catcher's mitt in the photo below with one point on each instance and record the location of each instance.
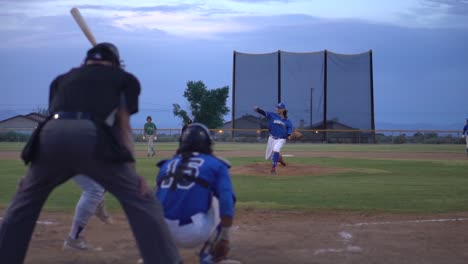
(295, 135)
(220, 249)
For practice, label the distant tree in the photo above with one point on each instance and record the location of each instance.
(42, 111)
(177, 111)
(418, 137)
(206, 106)
(431, 135)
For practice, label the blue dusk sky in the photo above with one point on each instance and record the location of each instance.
(420, 48)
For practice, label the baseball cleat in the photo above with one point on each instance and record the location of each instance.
(79, 244)
(102, 214)
(281, 161)
(273, 171)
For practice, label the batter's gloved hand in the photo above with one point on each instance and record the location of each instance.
(220, 250)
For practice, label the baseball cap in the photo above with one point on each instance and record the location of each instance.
(148, 117)
(281, 105)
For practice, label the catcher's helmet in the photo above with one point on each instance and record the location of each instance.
(104, 51)
(281, 105)
(196, 138)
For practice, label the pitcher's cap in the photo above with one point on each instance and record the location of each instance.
(281, 106)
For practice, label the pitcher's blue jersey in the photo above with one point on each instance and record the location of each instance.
(278, 127)
(190, 198)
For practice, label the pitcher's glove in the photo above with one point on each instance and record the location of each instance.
(220, 249)
(296, 135)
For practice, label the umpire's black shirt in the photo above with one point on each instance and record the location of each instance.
(95, 89)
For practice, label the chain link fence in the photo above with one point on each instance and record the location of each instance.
(309, 136)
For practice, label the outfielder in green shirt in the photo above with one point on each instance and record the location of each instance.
(150, 135)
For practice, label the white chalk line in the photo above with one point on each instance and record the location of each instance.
(346, 237)
(338, 250)
(287, 155)
(408, 222)
(40, 222)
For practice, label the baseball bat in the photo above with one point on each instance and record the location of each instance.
(75, 12)
(122, 117)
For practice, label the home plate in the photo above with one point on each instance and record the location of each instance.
(225, 261)
(287, 155)
(228, 261)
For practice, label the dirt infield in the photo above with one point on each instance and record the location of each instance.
(273, 237)
(282, 237)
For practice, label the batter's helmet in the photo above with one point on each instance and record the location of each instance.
(196, 138)
(281, 105)
(104, 51)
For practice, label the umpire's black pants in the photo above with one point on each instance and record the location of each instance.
(67, 148)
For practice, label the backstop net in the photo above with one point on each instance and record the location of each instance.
(323, 91)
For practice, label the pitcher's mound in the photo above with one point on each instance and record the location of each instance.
(263, 168)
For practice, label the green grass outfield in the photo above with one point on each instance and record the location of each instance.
(421, 186)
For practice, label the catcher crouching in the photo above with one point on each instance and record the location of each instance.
(195, 190)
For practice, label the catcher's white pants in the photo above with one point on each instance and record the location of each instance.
(199, 231)
(274, 145)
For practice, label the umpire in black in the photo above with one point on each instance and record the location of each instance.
(81, 137)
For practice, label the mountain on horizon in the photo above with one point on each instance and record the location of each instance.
(417, 126)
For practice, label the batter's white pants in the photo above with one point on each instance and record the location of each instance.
(199, 231)
(274, 145)
(92, 195)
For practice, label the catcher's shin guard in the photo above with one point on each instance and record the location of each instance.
(205, 251)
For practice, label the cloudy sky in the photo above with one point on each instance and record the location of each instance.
(420, 48)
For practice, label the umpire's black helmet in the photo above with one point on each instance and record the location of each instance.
(104, 51)
(196, 138)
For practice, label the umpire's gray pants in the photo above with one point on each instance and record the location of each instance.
(67, 148)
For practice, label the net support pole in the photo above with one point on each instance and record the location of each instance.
(279, 76)
(233, 108)
(325, 90)
(371, 72)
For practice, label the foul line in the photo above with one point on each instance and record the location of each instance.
(40, 222)
(409, 222)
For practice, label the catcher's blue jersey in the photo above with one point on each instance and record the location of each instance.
(189, 197)
(278, 127)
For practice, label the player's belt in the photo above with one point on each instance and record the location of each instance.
(73, 115)
(277, 137)
(183, 222)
